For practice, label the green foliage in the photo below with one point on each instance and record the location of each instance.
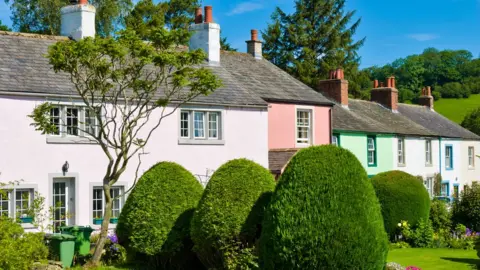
(422, 236)
(226, 223)
(146, 16)
(323, 211)
(477, 246)
(402, 197)
(315, 38)
(19, 250)
(180, 13)
(457, 109)
(110, 15)
(472, 121)
(155, 220)
(453, 90)
(4, 27)
(437, 184)
(439, 216)
(114, 254)
(225, 45)
(466, 210)
(398, 245)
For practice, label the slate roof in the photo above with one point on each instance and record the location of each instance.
(367, 116)
(246, 80)
(277, 159)
(436, 122)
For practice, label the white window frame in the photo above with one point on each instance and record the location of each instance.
(401, 151)
(428, 184)
(120, 198)
(471, 157)
(6, 200)
(448, 157)
(309, 140)
(428, 152)
(187, 135)
(335, 139)
(371, 151)
(63, 136)
(12, 199)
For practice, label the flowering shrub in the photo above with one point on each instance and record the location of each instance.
(114, 253)
(421, 236)
(412, 268)
(463, 238)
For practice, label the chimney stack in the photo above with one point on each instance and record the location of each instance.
(254, 46)
(78, 20)
(336, 87)
(198, 15)
(386, 95)
(206, 36)
(426, 99)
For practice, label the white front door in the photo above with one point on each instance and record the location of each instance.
(63, 202)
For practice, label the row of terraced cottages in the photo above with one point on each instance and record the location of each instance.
(260, 113)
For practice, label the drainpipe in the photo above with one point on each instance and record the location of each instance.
(331, 129)
(440, 155)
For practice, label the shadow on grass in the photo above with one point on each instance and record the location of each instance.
(474, 263)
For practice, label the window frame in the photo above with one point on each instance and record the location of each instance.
(456, 191)
(12, 199)
(428, 152)
(191, 137)
(401, 153)
(471, 165)
(428, 183)
(309, 140)
(374, 151)
(121, 199)
(447, 184)
(449, 164)
(336, 139)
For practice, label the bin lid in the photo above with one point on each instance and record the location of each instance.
(61, 237)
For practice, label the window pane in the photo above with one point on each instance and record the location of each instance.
(55, 119)
(72, 121)
(199, 125)
(91, 123)
(22, 202)
(4, 204)
(97, 203)
(184, 124)
(212, 125)
(303, 126)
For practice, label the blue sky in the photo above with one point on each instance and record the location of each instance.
(393, 28)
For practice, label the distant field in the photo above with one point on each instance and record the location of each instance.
(456, 109)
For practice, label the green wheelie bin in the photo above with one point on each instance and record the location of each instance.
(62, 248)
(82, 238)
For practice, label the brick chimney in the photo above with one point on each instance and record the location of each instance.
(78, 20)
(206, 36)
(426, 99)
(385, 94)
(336, 87)
(254, 46)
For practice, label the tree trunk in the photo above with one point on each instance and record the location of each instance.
(97, 255)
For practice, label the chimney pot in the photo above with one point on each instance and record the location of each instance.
(339, 74)
(198, 15)
(426, 99)
(429, 91)
(254, 34)
(375, 84)
(208, 14)
(382, 84)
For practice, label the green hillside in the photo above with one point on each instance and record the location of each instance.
(456, 109)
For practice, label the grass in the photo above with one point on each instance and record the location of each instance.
(456, 109)
(439, 258)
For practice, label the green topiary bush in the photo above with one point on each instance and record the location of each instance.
(155, 221)
(323, 215)
(19, 250)
(228, 219)
(403, 197)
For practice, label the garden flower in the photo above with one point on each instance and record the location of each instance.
(113, 238)
(399, 224)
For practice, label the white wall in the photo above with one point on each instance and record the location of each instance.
(453, 176)
(26, 155)
(415, 161)
(470, 174)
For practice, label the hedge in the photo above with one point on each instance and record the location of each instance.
(231, 211)
(403, 198)
(323, 215)
(155, 220)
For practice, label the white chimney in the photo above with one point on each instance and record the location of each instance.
(206, 36)
(78, 20)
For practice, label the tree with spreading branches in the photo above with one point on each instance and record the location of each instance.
(128, 87)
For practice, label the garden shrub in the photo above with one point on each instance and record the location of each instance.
(155, 220)
(439, 215)
(422, 236)
(402, 197)
(323, 215)
(227, 221)
(466, 210)
(19, 250)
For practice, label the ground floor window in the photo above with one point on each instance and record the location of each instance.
(99, 201)
(445, 192)
(428, 183)
(456, 192)
(16, 202)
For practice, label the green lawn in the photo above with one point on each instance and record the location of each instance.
(435, 258)
(456, 109)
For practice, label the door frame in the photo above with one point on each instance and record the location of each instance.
(74, 176)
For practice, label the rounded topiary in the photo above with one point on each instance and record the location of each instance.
(156, 217)
(231, 210)
(323, 215)
(403, 198)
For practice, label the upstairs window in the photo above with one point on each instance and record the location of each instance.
(428, 152)
(371, 151)
(471, 157)
(200, 125)
(401, 151)
(449, 157)
(304, 126)
(74, 121)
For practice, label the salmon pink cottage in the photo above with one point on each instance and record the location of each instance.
(260, 113)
